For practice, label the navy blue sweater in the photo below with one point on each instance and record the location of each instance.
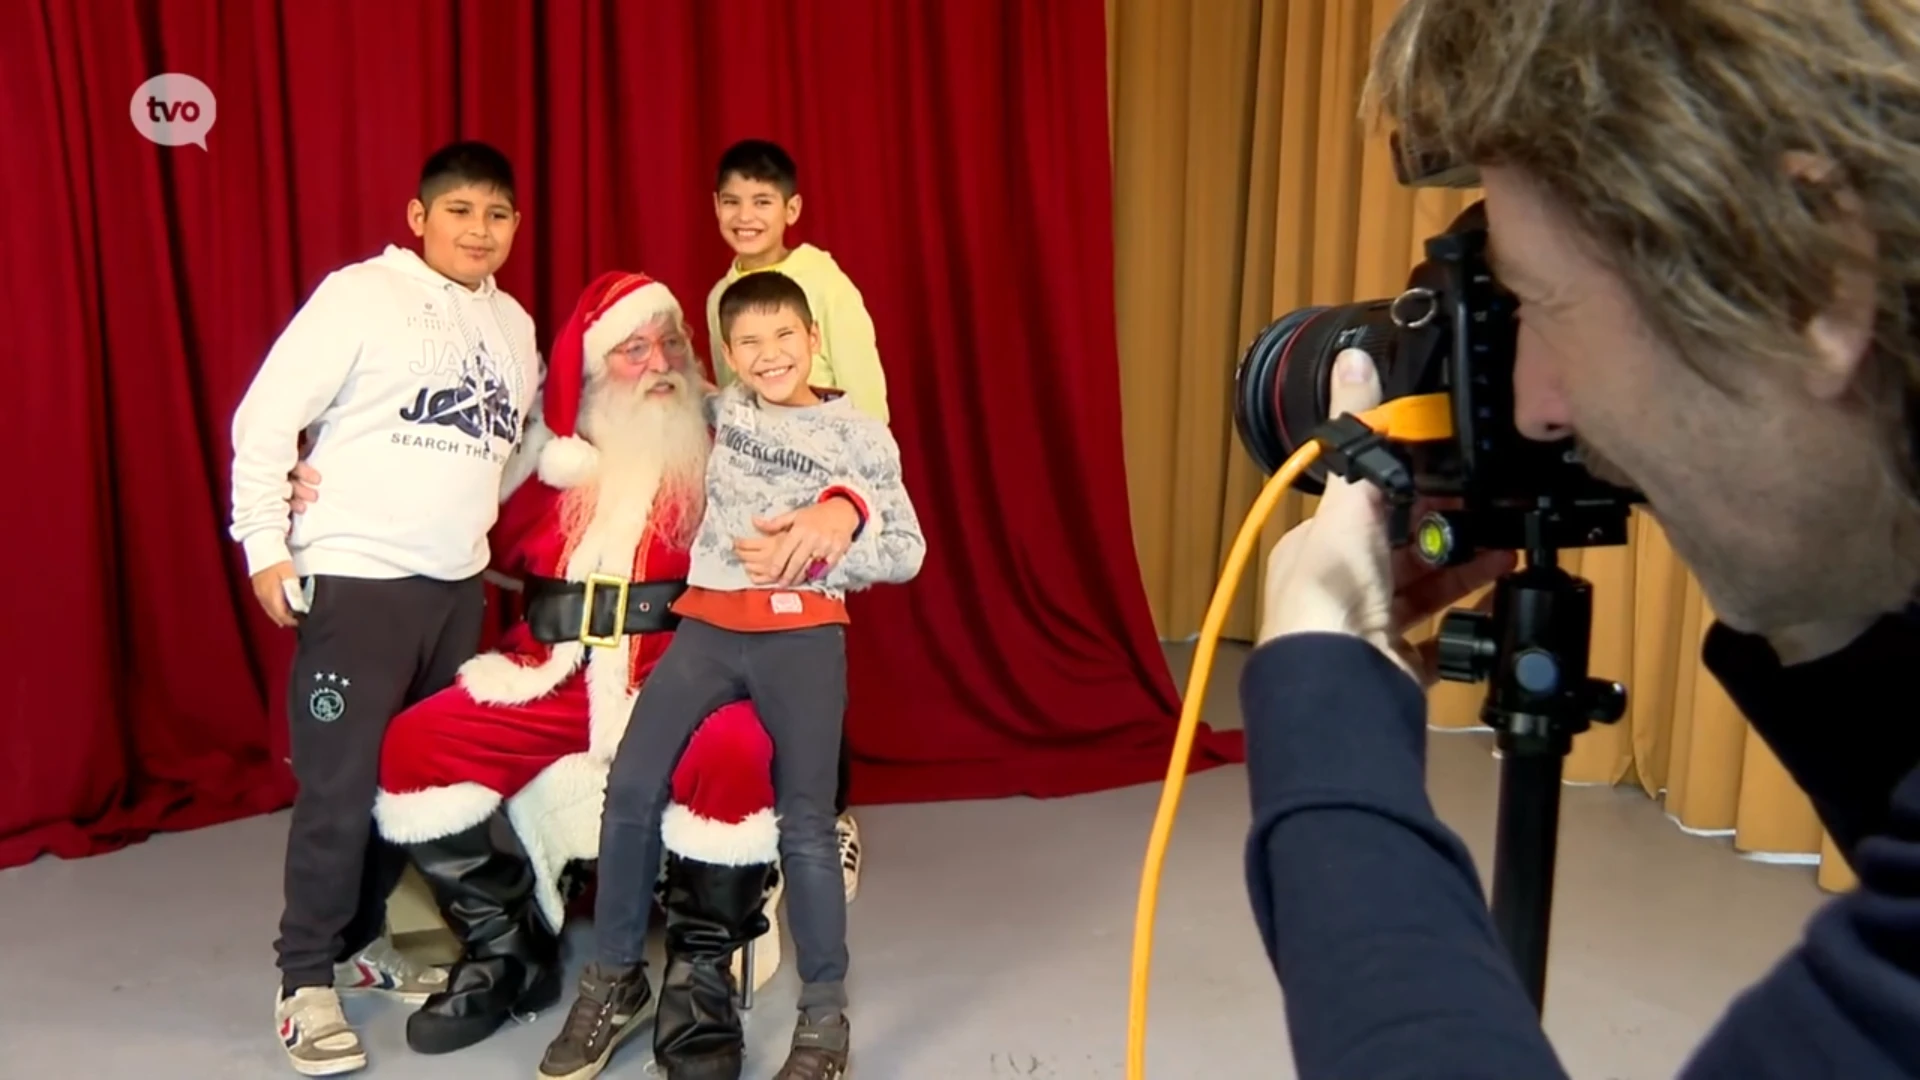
(1375, 922)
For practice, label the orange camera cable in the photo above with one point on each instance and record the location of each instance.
(1424, 418)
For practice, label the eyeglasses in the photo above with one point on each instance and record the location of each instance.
(641, 348)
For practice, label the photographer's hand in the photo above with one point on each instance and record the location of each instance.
(1335, 573)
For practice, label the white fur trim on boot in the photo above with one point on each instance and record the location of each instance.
(753, 840)
(568, 462)
(412, 817)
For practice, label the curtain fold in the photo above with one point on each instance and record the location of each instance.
(1245, 186)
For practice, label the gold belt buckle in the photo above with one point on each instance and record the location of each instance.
(596, 582)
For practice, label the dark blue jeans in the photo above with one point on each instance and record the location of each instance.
(797, 680)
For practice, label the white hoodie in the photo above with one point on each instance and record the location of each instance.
(415, 390)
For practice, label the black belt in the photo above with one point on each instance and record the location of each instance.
(557, 610)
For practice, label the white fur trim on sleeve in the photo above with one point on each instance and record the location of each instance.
(751, 842)
(568, 462)
(413, 817)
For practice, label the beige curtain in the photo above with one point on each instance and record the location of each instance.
(1245, 187)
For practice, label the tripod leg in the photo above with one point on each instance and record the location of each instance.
(746, 984)
(1523, 865)
(1533, 648)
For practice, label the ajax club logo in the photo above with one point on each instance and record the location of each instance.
(326, 704)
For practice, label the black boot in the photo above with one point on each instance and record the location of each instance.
(509, 960)
(712, 911)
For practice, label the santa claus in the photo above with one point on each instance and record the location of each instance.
(495, 785)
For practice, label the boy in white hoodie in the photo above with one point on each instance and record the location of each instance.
(411, 374)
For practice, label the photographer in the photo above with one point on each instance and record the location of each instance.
(1709, 211)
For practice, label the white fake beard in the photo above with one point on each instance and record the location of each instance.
(649, 444)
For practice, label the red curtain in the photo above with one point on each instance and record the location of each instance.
(954, 159)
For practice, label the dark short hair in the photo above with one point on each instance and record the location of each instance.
(467, 162)
(765, 291)
(758, 159)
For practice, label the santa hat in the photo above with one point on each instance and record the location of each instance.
(722, 809)
(610, 310)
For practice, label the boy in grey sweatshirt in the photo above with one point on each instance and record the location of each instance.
(804, 503)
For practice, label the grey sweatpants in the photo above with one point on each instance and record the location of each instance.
(369, 648)
(797, 680)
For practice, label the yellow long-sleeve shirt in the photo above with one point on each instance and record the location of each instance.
(849, 357)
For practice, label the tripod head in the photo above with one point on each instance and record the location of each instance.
(1534, 645)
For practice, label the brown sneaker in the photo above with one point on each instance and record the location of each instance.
(819, 1051)
(610, 1007)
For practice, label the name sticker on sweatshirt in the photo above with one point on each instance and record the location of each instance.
(786, 603)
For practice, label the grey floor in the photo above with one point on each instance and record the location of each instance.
(990, 940)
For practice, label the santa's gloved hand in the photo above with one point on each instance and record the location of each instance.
(1335, 572)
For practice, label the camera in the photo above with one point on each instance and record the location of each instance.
(1451, 335)
(1452, 331)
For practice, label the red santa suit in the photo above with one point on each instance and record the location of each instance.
(534, 724)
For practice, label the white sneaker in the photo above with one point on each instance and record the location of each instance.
(849, 832)
(382, 969)
(316, 1035)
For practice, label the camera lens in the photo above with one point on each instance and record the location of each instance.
(1282, 388)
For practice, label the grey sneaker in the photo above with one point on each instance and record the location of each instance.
(611, 1006)
(820, 1051)
(382, 969)
(315, 1033)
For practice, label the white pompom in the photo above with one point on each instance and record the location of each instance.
(568, 462)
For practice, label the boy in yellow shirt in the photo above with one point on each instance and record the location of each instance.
(756, 198)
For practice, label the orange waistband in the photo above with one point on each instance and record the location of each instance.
(752, 611)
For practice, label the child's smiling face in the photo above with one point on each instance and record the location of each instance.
(772, 350)
(754, 215)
